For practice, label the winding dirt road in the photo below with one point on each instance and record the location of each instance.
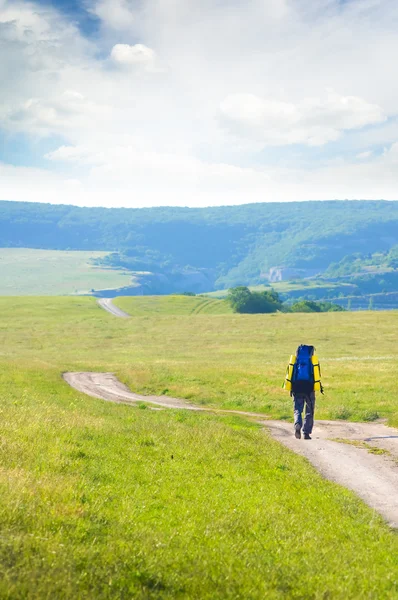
(107, 304)
(107, 387)
(365, 459)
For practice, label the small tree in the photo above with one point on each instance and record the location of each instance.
(243, 300)
(306, 306)
(239, 297)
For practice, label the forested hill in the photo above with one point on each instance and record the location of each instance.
(222, 246)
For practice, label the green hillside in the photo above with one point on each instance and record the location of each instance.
(186, 249)
(53, 272)
(109, 501)
(357, 264)
(172, 305)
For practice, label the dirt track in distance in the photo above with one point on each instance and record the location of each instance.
(107, 304)
(365, 459)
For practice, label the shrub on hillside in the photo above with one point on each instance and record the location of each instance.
(243, 300)
(331, 307)
(308, 306)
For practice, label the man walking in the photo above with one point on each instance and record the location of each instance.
(303, 379)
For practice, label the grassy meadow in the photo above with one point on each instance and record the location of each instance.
(107, 501)
(142, 306)
(54, 272)
(238, 361)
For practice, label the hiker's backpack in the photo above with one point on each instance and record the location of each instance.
(303, 371)
(303, 374)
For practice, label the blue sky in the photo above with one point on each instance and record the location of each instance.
(77, 11)
(159, 102)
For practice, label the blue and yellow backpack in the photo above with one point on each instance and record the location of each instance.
(303, 373)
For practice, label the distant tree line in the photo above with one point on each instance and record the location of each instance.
(232, 243)
(245, 301)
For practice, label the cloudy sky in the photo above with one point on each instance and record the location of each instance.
(198, 102)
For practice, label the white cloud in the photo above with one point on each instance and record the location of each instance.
(73, 183)
(137, 55)
(135, 179)
(240, 76)
(58, 114)
(364, 155)
(123, 166)
(314, 121)
(116, 14)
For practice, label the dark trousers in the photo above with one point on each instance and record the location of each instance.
(309, 401)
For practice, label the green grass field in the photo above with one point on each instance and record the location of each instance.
(51, 272)
(140, 306)
(238, 361)
(107, 501)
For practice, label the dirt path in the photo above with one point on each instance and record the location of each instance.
(373, 477)
(107, 304)
(365, 459)
(107, 387)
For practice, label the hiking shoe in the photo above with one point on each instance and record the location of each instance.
(297, 432)
(307, 436)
